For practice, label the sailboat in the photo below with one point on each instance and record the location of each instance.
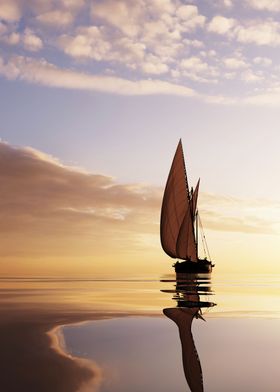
(179, 219)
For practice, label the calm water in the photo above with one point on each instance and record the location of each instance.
(115, 336)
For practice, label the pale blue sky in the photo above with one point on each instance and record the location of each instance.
(235, 150)
(219, 60)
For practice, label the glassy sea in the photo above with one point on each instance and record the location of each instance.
(153, 333)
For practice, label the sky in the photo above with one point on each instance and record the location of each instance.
(94, 98)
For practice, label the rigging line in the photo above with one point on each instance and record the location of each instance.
(201, 235)
(204, 242)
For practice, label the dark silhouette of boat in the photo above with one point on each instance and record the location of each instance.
(180, 220)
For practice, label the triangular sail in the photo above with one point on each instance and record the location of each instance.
(178, 211)
(194, 198)
(186, 246)
(175, 203)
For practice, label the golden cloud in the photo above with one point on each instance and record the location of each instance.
(45, 204)
(50, 210)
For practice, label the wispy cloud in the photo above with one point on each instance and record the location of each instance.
(225, 213)
(41, 72)
(56, 18)
(44, 201)
(269, 5)
(47, 74)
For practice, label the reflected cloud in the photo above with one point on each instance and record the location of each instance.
(32, 360)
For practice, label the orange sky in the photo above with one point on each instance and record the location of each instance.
(59, 220)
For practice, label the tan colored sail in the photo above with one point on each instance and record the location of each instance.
(194, 199)
(175, 204)
(186, 246)
(177, 212)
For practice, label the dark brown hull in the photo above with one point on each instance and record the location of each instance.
(200, 266)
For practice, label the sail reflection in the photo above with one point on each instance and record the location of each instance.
(187, 292)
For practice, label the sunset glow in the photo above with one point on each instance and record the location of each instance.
(93, 103)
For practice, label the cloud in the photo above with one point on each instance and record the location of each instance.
(190, 17)
(154, 66)
(145, 36)
(265, 32)
(95, 43)
(43, 73)
(235, 224)
(10, 10)
(46, 74)
(194, 63)
(225, 213)
(31, 41)
(263, 61)
(56, 18)
(196, 69)
(141, 48)
(221, 25)
(123, 15)
(269, 5)
(88, 42)
(73, 4)
(86, 374)
(255, 31)
(268, 97)
(11, 38)
(43, 200)
(53, 215)
(57, 219)
(235, 62)
(251, 77)
(43, 197)
(3, 28)
(60, 13)
(27, 38)
(228, 3)
(138, 17)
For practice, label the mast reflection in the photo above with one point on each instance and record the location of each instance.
(187, 292)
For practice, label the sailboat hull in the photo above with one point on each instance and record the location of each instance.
(200, 266)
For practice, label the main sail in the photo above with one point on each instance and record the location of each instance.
(178, 211)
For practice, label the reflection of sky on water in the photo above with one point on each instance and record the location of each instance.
(132, 352)
(238, 346)
(139, 354)
(145, 353)
(236, 295)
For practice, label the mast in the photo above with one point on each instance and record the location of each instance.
(185, 170)
(195, 214)
(196, 229)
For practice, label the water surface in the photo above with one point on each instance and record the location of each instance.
(116, 337)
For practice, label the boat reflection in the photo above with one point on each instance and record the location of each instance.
(187, 292)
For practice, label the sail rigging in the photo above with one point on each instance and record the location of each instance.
(178, 212)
